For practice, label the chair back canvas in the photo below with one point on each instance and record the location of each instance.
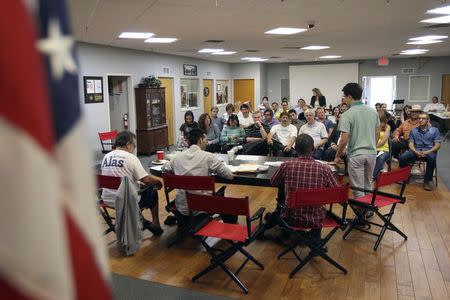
(185, 182)
(107, 136)
(318, 197)
(397, 175)
(218, 204)
(108, 182)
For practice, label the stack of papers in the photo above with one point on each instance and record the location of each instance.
(273, 163)
(244, 168)
(247, 157)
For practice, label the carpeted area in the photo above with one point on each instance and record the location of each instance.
(128, 288)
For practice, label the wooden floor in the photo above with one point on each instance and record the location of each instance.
(418, 268)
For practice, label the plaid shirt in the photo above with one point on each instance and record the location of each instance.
(304, 173)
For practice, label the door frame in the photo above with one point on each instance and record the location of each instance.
(131, 102)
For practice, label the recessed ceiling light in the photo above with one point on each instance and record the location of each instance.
(285, 30)
(135, 35)
(428, 37)
(209, 50)
(439, 20)
(330, 56)
(315, 47)
(445, 10)
(161, 40)
(253, 59)
(223, 53)
(424, 42)
(414, 51)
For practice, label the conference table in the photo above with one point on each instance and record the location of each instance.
(259, 178)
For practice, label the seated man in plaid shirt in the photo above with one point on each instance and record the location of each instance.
(304, 173)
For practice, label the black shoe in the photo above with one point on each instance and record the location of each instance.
(156, 230)
(170, 220)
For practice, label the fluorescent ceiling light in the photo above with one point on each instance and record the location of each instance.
(223, 53)
(315, 47)
(161, 40)
(254, 59)
(414, 51)
(445, 10)
(439, 20)
(209, 50)
(285, 30)
(136, 35)
(428, 37)
(424, 42)
(330, 56)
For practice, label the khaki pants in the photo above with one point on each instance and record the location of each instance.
(360, 171)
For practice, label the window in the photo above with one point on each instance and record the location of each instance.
(189, 91)
(379, 89)
(222, 91)
(419, 88)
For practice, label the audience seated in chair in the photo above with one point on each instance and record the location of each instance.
(304, 173)
(424, 142)
(269, 120)
(282, 137)
(401, 134)
(383, 154)
(294, 119)
(322, 118)
(215, 119)
(121, 162)
(255, 141)
(317, 131)
(195, 162)
(232, 135)
(212, 133)
(245, 119)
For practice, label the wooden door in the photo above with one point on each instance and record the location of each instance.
(168, 84)
(445, 89)
(207, 100)
(244, 90)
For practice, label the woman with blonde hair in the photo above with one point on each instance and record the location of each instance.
(318, 99)
(383, 154)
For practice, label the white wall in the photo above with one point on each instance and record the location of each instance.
(95, 60)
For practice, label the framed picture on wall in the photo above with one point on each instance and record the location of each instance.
(93, 89)
(189, 70)
(184, 100)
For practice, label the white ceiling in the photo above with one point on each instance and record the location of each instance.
(355, 29)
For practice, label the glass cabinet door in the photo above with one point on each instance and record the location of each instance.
(156, 112)
(148, 113)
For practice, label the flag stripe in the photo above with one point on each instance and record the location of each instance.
(24, 95)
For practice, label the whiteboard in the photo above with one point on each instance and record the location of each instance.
(329, 79)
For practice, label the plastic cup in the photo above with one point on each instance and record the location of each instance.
(159, 155)
(230, 155)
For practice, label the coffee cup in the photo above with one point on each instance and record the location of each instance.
(159, 155)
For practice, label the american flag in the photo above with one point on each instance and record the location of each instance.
(50, 239)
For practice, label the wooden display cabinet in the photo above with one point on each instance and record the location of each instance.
(152, 130)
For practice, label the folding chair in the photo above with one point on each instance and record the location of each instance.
(375, 200)
(105, 137)
(189, 183)
(316, 197)
(237, 235)
(107, 182)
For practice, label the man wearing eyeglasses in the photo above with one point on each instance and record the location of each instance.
(122, 162)
(424, 142)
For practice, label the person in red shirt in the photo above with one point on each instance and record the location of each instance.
(304, 173)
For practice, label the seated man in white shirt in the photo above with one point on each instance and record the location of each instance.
(434, 106)
(194, 161)
(245, 120)
(282, 137)
(121, 162)
(317, 131)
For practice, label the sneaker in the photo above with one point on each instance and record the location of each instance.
(156, 230)
(415, 170)
(427, 186)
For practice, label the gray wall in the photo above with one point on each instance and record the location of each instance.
(95, 60)
(434, 66)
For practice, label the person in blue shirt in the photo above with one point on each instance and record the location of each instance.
(424, 142)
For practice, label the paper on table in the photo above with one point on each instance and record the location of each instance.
(244, 168)
(273, 163)
(247, 157)
(156, 168)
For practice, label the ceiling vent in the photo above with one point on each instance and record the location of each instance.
(251, 50)
(290, 47)
(408, 70)
(274, 57)
(214, 41)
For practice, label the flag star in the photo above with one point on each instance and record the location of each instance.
(58, 47)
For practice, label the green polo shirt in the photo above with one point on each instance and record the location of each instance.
(360, 122)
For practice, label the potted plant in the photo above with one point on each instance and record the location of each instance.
(150, 82)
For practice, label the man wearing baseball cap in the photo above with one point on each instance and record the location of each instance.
(401, 134)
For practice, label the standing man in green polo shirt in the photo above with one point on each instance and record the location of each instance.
(360, 129)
